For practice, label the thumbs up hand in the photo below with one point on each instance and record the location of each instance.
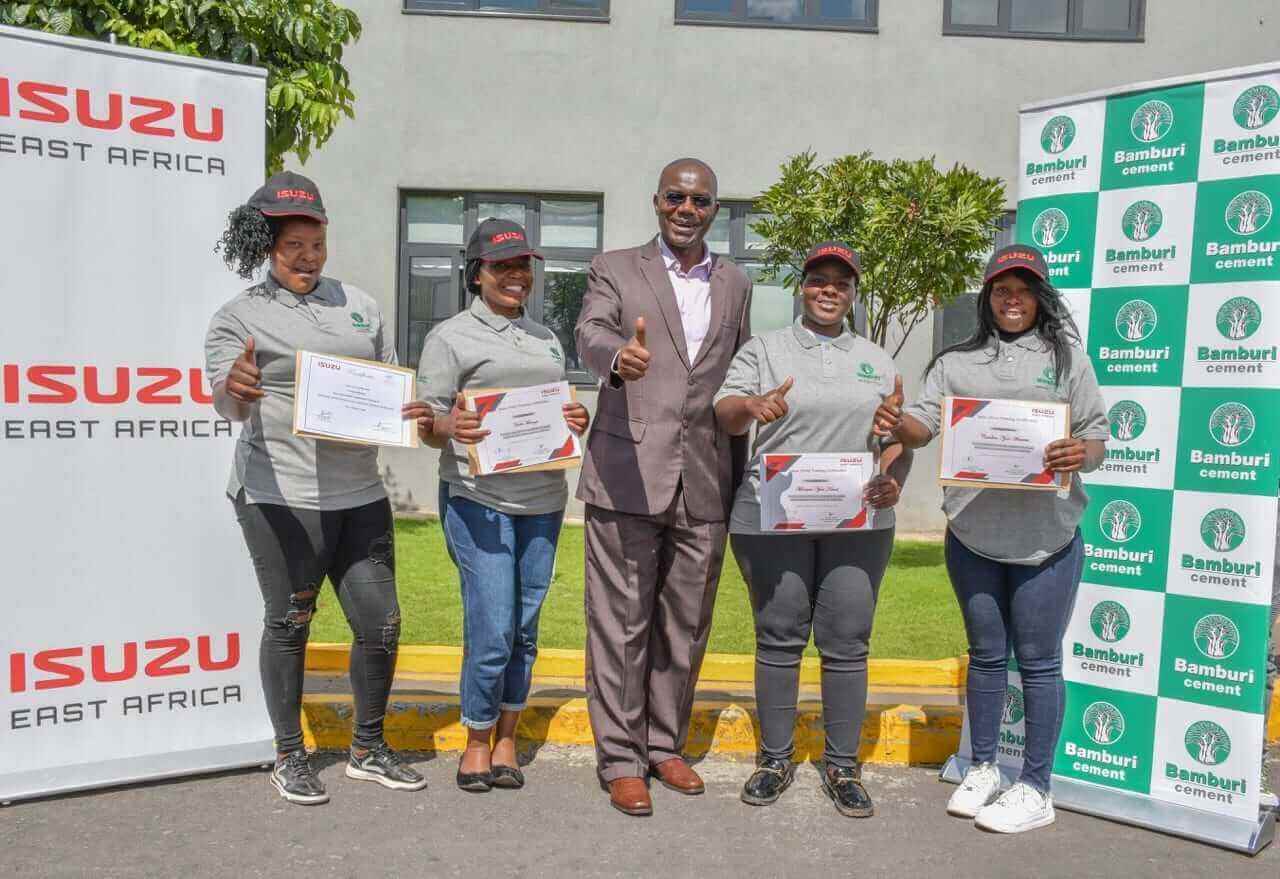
(889, 413)
(769, 407)
(464, 425)
(633, 357)
(244, 378)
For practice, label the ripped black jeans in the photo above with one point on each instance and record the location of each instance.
(293, 550)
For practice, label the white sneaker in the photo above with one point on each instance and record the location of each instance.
(1019, 809)
(980, 786)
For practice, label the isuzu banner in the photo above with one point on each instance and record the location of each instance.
(129, 638)
(1154, 206)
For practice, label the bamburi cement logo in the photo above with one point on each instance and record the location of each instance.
(1109, 621)
(867, 372)
(1120, 521)
(1216, 636)
(1058, 133)
(1255, 107)
(1050, 227)
(1222, 530)
(1136, 320)
(1207, 742)
(1128, 420)
(1239, 318)
(1048, 377)
(1232, 424)
(1141, 220)
(1151, 121)
(1248, 213)
(358, 321)
(1104, 723)
(1014, 708)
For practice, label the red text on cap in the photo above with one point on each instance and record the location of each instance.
(506, 236)
(295, 193)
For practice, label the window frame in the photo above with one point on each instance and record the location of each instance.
(812, 21)
(409, 250)
(1135, 33)
(548, 10)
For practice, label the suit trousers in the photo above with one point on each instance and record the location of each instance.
(650, 590)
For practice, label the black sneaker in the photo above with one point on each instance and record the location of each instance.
(383, 765)
(844, 785)
(296, 781)
(768, 782)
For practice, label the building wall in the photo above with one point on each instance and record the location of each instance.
(505, 104)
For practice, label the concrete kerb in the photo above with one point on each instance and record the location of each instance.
(911, 734)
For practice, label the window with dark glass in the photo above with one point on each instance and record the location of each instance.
(959, 318)
(434, 227)
(1046, 19)
(585, 9)
(853, 15)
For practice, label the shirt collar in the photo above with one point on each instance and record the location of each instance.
(1031, 341)
(490, 318)
(672, 261)
(809, 339)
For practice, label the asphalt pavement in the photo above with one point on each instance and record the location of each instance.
(233, 824)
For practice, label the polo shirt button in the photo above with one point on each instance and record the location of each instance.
(1009, 358)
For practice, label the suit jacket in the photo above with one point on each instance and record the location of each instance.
(651, 434)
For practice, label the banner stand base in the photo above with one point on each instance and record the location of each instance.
(1236, 834)
(152, 767)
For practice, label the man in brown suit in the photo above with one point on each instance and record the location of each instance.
(659, 324)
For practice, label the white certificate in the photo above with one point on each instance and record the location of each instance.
(1000, 443)
(815, 492)
(527, 430)
(353, 401)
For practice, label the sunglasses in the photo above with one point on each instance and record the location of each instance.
(676, 199)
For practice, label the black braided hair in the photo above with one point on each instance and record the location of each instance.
(247, 240)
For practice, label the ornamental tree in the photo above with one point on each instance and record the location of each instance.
(299, 42)
(923, 233)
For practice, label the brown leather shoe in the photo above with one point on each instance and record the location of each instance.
(678, 776)
(630, 796)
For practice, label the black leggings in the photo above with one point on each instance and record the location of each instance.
(293, 550)
(824, 584)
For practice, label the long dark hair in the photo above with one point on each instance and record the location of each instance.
(1054, 324)
(247, 240)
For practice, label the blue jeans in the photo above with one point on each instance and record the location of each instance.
(505, 564)
(1028, 605)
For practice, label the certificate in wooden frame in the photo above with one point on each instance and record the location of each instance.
(387, 367)
(568, 462)
(1046, 480)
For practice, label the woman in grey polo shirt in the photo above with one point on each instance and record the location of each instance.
(501, 530)
(1014, 557)
(308, 508)
(813, 387)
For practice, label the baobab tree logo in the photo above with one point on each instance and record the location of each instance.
(1248, 213)
(1151, 121)
(1256, 106)
(1239, 318)
(1103, 723)
(1057, 134)
(1014, 708)
(1050, 227)
(1216, 636)
(1141, 220)
(1109, 621)
(1222, 530)
(1128, 421)
(1207, 742)
(1136, 320)
(1120, 521)
(1232, 424)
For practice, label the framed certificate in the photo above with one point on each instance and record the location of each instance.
(527, 430)
(815, 492)
(348, 400)
(1000, 443)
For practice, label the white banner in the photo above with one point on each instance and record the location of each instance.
(130, 637)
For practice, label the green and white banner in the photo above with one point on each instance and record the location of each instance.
(1154, 205)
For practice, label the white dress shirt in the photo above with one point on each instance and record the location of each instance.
(693, 296)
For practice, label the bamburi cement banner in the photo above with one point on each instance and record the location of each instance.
(1154, 207)
(131, 618)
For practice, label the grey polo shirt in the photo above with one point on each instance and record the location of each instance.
(838, 386)
(481, 349)
(272, 465)
(1021, 527)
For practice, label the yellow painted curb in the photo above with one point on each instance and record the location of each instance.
(716, 668)
(901, 734)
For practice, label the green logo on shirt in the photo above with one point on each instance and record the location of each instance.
(867, 372)
(1048, 378)
(555, 353)
(358, 321)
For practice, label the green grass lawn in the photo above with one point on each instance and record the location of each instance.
(917, 617)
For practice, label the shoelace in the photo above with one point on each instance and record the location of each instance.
(973, 780)
(299, 765)
(1023, 796)
(384, 753)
